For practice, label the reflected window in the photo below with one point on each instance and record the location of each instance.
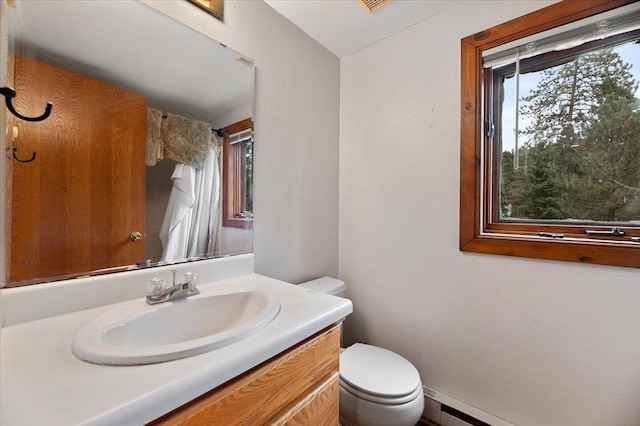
(237, 201)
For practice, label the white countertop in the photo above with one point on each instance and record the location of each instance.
(43, 383)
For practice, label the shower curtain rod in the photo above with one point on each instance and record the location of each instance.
(218, 132)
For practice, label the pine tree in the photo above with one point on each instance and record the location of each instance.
(539, 194)
(581, 157)
(610, 155)
(568, 94)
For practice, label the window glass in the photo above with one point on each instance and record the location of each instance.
(578, 144)
(248, 178)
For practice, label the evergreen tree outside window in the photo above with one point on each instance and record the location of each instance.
(580, 155)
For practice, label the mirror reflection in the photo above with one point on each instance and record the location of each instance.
(146, 157)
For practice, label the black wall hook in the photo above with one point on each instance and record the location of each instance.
(9, 94)
(15, 157)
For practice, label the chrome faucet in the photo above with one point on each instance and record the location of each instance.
(158, 291)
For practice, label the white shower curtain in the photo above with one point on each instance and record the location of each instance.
(191, 221)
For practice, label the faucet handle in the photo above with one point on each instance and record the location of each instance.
(191, 278)
(156, 287)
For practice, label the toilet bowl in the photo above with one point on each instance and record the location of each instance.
(377, 386)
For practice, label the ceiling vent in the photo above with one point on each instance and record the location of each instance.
(372, 5)
(243, 60)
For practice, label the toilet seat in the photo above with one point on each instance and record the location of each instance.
(359, 393)
(378, 375)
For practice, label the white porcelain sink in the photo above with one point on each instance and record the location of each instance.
(138, 333)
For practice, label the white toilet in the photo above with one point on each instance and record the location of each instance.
(377, 387)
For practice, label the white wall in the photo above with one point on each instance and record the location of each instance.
(534, 342)
(233, 115)
(296, 133)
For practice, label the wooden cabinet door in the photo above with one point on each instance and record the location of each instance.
(75, 206)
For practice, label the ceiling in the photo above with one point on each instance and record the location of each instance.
(344, 26)
(146, 54)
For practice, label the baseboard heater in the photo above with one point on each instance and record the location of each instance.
(462, 416)
(443, 406)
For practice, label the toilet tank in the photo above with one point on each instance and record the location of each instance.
(327, 285)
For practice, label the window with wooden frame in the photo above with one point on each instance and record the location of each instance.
(237, 168)
(550, 135)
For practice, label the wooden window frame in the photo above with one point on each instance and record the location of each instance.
(232, 188)
(477, 233)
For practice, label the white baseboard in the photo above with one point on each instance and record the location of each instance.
(463, 407)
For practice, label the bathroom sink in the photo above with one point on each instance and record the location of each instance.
(137, 333)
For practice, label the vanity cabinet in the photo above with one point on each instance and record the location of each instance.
(297, 387)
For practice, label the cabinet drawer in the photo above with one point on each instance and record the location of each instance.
(318, 408)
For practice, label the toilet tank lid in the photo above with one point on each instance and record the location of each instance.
(326, 285)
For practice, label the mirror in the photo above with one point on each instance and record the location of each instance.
(130, 87)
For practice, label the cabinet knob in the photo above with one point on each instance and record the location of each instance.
(135, 236)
